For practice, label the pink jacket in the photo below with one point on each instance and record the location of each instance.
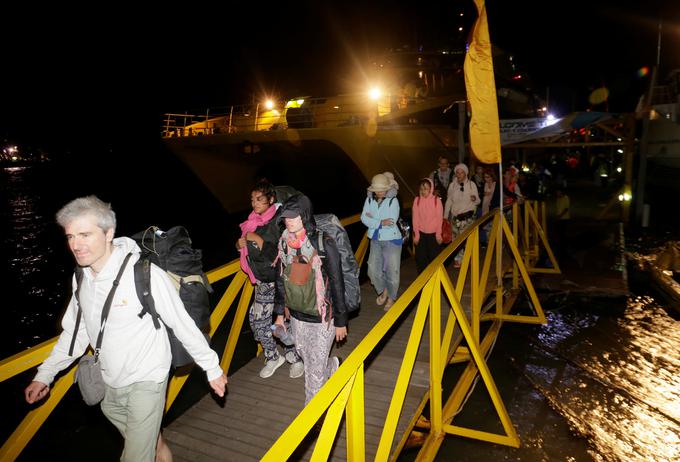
(427, 214)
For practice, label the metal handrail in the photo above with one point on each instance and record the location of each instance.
(336, 111)
(241, 288)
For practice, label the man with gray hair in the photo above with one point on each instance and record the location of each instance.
(134, 356)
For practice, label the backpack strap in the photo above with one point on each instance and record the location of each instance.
(143, 287)
(79, 280)
(321, 252)
(178, 280)
(105, 310)
(107, 307)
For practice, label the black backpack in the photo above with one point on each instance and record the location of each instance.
(172, 251)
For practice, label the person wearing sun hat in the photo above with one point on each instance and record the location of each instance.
(380, 215)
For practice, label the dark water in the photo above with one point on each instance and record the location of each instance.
(597, 382)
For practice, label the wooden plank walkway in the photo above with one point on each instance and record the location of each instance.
(257, 410)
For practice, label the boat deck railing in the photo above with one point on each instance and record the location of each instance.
(342, 395)
(326, 112)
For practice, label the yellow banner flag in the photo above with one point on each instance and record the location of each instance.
(481, 92)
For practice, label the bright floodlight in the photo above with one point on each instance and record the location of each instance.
(374, 93)
(550, 119)
(269, 104)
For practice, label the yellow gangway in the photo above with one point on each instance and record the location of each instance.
(343, 393)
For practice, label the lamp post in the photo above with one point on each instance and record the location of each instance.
(257, 109)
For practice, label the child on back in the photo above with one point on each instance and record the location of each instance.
(427, 224)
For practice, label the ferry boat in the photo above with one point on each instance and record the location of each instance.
(406, 117)
(664, 126)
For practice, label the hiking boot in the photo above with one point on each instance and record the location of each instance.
(271, 366)
(296, 370)
(388, 304)
(381, 298)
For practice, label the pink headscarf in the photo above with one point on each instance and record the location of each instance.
(254, 221)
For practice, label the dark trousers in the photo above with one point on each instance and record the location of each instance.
(426, 250)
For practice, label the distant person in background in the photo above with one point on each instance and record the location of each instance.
(380, 215)
(512, 191)
(562, 218)
(258, 246)
(442, 178)
(135, 357)
(491, 200)
(478, 178)
(492, 192)
(428, 214)
(461, 203)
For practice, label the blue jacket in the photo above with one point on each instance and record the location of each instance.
(373, 214)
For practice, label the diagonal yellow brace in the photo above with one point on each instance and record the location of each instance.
(24, 360)
(218, 314)
(397, 402)
(434, 440)
(331, 423)
(355, 424)
(525, 275)
(539, 229)
(235, 331)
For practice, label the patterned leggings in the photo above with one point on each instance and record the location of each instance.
(314, 341)
(260, 318)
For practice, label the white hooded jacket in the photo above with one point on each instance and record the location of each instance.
(133, 350)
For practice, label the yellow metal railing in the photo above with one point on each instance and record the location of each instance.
(343, 394)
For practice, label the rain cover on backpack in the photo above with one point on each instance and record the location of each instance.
(330, 224)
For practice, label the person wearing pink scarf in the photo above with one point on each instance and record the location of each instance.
(427, 224)
(258, 249)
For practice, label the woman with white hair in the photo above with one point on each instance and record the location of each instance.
(380, 214)
(461, 202)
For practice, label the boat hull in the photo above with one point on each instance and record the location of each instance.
(664, 143)
(319, 161)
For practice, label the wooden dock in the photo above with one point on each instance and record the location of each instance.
(257, 410)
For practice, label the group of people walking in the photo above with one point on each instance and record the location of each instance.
(279, 245)
(280, 234)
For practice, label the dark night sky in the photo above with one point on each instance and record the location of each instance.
(107, 72)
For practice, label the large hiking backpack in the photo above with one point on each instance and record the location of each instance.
(172, 251)
(329, 223)
(284, 192)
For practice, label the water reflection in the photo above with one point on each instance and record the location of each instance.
(27, 248)
(616, 379)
